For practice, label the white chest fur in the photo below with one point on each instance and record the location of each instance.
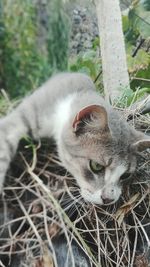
(61, 115)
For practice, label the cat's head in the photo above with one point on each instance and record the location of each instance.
(100, 150)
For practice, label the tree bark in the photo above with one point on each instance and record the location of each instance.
(114, 65)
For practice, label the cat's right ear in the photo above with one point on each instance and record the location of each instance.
(89, 115)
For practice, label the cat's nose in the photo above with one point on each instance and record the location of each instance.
(106, 200)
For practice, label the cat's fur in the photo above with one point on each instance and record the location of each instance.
(85, 128)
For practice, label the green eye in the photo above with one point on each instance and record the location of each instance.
(95, 167)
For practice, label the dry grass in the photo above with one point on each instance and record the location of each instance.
(41, 204)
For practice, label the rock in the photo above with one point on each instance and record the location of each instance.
(84, 27)
(78, 37)
(77, 19)
(74, 44)
(87, 44)
(75, 12)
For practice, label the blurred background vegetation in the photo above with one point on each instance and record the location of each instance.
(32, 45)
(34, 41)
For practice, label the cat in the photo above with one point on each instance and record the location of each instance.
(95, 143)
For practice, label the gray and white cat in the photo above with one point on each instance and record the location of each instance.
(94, 142)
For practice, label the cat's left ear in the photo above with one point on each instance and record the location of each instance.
(142, 144)
(89, 114)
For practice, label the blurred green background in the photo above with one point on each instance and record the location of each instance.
(33, 43)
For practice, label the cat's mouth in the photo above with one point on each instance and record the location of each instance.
(97, 198)
(100, 204)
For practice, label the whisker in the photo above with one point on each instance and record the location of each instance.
(77, 200)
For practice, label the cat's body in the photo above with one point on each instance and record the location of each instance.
(87, 132)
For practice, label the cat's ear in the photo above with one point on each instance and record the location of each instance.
(89, 114)
(142, 144)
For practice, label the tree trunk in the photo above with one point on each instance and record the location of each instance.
(115, 74)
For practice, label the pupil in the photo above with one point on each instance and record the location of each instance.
(97, 166)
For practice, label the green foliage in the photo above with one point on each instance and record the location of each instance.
(138, 66)
(24, 65)
(58, 38)
(96, 43)
(146, 4)
(142, 25)
(129, 97)
(4, 106)
(136, 23)
(137, 20)
(89, 63)
(130, 32)
(140, 61)
(141, 78)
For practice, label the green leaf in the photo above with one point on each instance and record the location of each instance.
(144, 74)
(125, 23)
(138, 95)
(129, 27)
(91, 54)
(88, 63)
(140, 61)
(96, 43)
(146, 4)
(129, 97)
(142, 20)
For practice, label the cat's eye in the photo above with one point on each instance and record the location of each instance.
(95, 166)
(125, 176)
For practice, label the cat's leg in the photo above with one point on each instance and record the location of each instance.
(25, 119)
(12, 129)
